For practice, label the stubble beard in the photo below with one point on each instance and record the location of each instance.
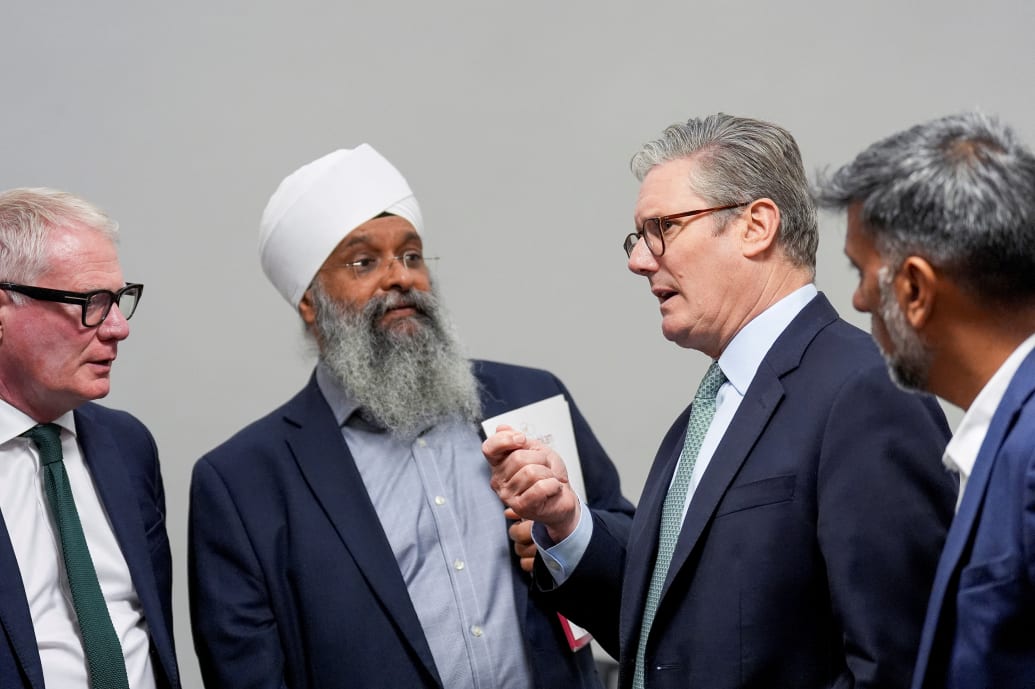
(910, 363)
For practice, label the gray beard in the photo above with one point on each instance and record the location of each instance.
(406, 376)
(910, 364)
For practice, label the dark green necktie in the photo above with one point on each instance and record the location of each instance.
(100, 643)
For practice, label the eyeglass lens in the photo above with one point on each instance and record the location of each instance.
(99, 305)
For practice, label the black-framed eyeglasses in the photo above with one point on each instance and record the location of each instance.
(96, 303)
(368, 267)
(653, 229)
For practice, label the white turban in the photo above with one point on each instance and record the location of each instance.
(317, 205)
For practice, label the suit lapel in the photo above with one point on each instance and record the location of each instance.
(751, 418)
(116, 493)
(15, 617)
(323, 457)
(760, 402)
(643, 537)
(963, 525)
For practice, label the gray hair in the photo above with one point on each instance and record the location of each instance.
(741, 160)
(959, 191)
(26, 217)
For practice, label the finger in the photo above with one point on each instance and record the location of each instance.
(498, 445)
(512, 486)
(521, 532)
(504, 471)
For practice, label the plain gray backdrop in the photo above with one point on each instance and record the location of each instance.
(513, 122)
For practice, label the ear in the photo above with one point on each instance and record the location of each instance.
(306, 308)
(916, 288)
(759, 232)
(5, 300)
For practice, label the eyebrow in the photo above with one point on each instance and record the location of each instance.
(365, 239)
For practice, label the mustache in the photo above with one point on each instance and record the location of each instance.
(420, 302)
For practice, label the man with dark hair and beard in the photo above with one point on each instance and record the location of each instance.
(351, 538)
(941, 229)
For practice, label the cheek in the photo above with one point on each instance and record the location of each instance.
(880, 332)
(422, 282)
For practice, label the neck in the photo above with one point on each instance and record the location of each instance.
(767, 289)
(969, 350)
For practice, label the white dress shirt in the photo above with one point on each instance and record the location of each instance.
(962, 450)
(739, 361)
(37, 547)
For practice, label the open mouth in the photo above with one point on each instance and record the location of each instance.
(663, 294)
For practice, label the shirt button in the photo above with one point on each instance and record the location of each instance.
(439, 500)
(476, 630)
(422, 442)
(552, 566)
(458, 565)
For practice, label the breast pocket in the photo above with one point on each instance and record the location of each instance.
(769, 491)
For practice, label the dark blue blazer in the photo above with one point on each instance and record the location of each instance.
(293, 582)
(810, 545)
(121, 456)
(980, 627)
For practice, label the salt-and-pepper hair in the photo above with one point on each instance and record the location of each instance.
(740, 160)
(958, 191)
(26, 217)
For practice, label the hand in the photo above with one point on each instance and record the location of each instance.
(531, 479)
(521, 533)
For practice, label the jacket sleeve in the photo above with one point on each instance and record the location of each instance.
(235, 632)
(884, 506)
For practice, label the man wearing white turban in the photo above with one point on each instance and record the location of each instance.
(351, 538)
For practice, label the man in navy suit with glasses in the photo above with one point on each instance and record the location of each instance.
(85, 568)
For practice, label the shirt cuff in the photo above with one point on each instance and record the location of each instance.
(562, 558)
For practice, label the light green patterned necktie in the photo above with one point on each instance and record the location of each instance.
(104, 657)
(672, 511)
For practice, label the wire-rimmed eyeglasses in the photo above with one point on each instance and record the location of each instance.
(96, 303)
(373, 265)
(653, 229)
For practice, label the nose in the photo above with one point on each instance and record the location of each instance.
(641, 260)
(396, 276)
(114, 326)
(859, 301)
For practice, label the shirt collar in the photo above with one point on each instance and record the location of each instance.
(744, 353)
(341, 403)
(14, 422)
(965, 444)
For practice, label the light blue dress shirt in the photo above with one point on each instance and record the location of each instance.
(740, 360)
(446, 529)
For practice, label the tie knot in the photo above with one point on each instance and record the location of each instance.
(47, 437)
(710, 384)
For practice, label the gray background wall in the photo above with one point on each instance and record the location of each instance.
(514, 123)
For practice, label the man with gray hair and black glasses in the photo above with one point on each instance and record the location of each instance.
(790, 526)
(85, 569)
(941, 229)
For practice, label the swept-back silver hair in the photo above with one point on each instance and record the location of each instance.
(958, 191)
(26, 217)
(740, 160)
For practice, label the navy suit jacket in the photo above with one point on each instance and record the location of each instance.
(293, 582)
(810, 545)
(980, 628)
(121, 456)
